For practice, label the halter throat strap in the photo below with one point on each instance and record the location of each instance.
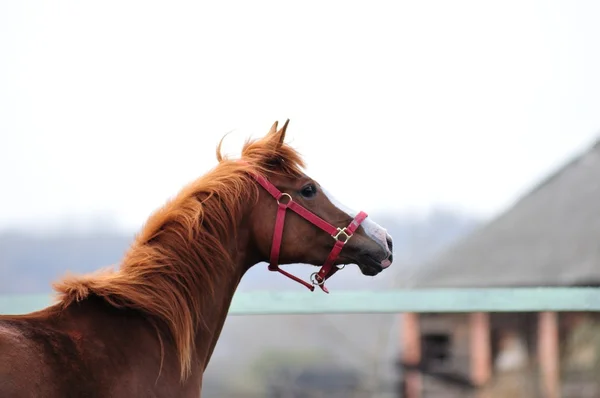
(340, 235)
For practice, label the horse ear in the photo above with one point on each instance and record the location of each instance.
(279, 135)
(273, 130)
(275, 139)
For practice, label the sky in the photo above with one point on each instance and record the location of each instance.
(108, 108)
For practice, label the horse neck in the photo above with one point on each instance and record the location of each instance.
(197, 281)
(215, 314)
(216, 289)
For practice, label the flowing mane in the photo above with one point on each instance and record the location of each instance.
(182, 252)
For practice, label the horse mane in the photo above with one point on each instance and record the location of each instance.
(182, 253)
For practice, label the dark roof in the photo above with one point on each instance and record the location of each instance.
(550, 237)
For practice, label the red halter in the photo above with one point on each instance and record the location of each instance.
(341, 235)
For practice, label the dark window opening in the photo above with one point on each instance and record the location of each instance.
(436, 349)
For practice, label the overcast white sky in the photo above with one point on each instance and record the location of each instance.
(109, 107)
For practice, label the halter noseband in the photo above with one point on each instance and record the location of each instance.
(340, 235)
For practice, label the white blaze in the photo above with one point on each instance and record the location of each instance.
(372, 229)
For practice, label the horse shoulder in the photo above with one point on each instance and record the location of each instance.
(21, 366)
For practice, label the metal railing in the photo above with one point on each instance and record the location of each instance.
(560, 299)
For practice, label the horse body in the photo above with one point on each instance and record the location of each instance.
(148, 329)
(92, 349)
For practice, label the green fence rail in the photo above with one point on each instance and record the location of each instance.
(386, 301)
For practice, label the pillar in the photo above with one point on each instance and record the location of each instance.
(548, 354)
(480, 350)
(411, 353)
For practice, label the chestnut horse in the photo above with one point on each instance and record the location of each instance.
(148, 328)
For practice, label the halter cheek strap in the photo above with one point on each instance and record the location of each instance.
(341, 235)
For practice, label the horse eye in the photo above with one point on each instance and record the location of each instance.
(309, 191)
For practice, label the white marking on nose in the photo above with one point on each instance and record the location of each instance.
(372, 229)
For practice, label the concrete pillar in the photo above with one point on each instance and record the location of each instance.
(480, 350)
(411, 353)
(548, 354)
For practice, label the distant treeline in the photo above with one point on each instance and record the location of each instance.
(29, 262)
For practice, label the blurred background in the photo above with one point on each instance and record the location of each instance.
(466, 128)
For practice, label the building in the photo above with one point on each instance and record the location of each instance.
(550, 237)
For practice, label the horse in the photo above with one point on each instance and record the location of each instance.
(148, 327)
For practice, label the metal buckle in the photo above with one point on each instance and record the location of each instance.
(286, 204)
(341, 232)
(314, 280)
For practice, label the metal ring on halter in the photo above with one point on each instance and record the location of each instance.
(314, 280)
(288, 196)
(341, 266)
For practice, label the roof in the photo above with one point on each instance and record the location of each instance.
(550, 237)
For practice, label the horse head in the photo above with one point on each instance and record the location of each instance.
(296, 220)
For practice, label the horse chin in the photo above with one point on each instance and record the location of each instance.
(370, 270)
(369, 266)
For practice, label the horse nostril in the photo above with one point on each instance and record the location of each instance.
(390, 243)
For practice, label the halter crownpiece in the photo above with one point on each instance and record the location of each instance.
(340, 235)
